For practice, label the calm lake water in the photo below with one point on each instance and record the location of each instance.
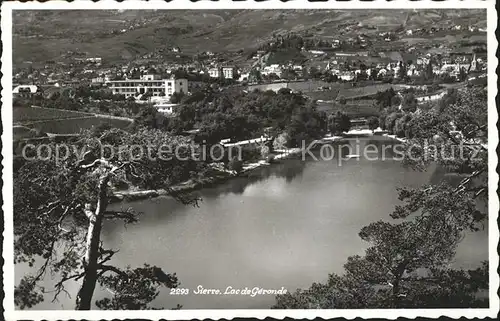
(288, 225)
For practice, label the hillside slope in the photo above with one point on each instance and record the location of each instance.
(122, 34)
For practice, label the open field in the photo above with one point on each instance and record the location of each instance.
(59, 121)
(357, 109)
(326, 95)
(303, 86)
(75, 125)
(366, 91)
(27, 114)
(351, 93)
(311, 88)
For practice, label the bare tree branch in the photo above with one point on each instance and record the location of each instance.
(128, 216)
(50, 207)
(59, 287)
(105, 163)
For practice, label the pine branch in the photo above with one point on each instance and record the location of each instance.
(106, 268)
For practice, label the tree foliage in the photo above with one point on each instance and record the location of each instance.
(339, 123)
(176, 97)
(61, 204)
(407, 264)
(240, 116)
(235, 164)
(306, 125)
(372, 123)
(385, 98)
(409, 102)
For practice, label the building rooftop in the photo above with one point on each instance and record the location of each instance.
(25, 88)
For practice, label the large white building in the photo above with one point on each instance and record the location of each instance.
(214, 72)
(25, 90)
(225, 72)
(228, 72)
(149, 83)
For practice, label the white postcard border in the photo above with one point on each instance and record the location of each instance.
(7, 162)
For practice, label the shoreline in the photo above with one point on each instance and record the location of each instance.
(196, 184)
(224, 175)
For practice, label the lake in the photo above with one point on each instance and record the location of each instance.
(287, 225)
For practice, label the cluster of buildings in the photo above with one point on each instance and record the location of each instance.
(350, 66)
(137, 81)
(76, 67)
(273, 69)
(351, 56)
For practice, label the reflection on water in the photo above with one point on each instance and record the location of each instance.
(289, 170)
(366, 148)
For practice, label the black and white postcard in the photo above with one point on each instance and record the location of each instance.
(220, 159)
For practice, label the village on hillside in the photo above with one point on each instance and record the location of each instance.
(353, 66)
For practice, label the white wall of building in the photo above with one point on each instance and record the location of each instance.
(166, 108)
(25, 89)
(175, 85)
(149, 83)
(225, 72)
(228, 72)
(214, 72)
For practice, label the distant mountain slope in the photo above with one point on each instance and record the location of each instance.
(43, 35)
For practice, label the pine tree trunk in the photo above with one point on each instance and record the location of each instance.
(396, 284)
(84, 297)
